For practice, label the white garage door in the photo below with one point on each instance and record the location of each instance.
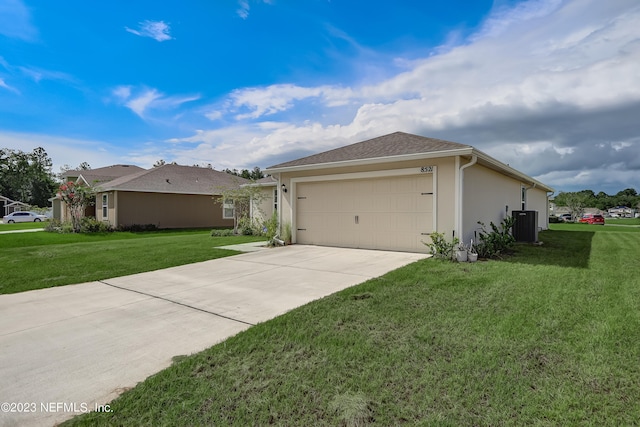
(393, 213)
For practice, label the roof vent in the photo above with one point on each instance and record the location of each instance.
(168, 181)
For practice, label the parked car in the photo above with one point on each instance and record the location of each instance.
(565, 217)
(23, 217)
(592, 219)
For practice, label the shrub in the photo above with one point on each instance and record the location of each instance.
(246, 226)
(270, 226)
(498, 241)
(286, 233)
(53, 226)
(92, 225)
(137, 228)
(440, 247)
(554, 220)
(222, 232)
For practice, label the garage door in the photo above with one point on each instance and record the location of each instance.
(393, 213)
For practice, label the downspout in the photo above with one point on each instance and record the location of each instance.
(474, 160)
(549, 193)
(279, 195)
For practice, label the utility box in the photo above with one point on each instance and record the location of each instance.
(525, 228)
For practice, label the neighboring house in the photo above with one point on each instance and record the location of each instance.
(169, 196)
(92, 178)
(391, 192)
(621, 212)
(8, 206)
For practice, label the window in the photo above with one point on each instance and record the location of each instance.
(275, 199)
(228, 209)
(105, 206)
(524, 198)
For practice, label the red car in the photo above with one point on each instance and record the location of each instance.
(592, 219)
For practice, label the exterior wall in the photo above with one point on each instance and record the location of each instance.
(263, 210)
(537, 201)
(489, 196)
(444, 176)
(163, 210)
(57, 209)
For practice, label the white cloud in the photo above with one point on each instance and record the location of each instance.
(157, 30)
(539, 86)
(4, 85)
(38, 74)
(142, 100)
(244, 8)
(15, 21)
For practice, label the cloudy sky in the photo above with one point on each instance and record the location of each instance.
(551, 87)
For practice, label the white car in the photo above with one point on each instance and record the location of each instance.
(23, 217)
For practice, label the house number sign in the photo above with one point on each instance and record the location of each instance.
(426, 169)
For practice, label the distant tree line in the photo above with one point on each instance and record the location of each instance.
(27, 177)
(603, 201)
(253, 175)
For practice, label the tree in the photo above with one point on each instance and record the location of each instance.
(76, 198)
(254, 175)
(26, 177)
(240, 199)
(576, 202)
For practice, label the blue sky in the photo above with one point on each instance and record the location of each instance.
(551, 87)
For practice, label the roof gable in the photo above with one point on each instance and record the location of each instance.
(395, 144)
(175, 179)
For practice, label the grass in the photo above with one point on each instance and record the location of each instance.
(549, 336)
(22, 226)
(42, 260)
(623, 221)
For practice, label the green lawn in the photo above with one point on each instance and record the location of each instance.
(550, 336)
(23, 226)
(623, 221)
(42, 260)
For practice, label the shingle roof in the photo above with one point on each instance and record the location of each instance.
(175, 179)
(395, 144)
(103, 174)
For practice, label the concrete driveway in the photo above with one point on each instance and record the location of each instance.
(65, 350)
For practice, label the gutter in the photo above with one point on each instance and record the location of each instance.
(474, 160)
(372, 160)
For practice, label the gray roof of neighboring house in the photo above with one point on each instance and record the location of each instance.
(395, 144)
(175, 179)
(107, 173)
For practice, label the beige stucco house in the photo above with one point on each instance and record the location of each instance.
(391, 192)
(169, 196)
(91, 178)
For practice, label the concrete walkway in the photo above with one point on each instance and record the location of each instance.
(65, 350)
(28, 230)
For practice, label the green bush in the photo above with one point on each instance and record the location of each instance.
(222, 232)
(554, 220)
(286, 233)
(87, 225)
(440, 247)
(247, 227)
(137, 228)
(270, 226)
(91, 225)
(498, 241)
